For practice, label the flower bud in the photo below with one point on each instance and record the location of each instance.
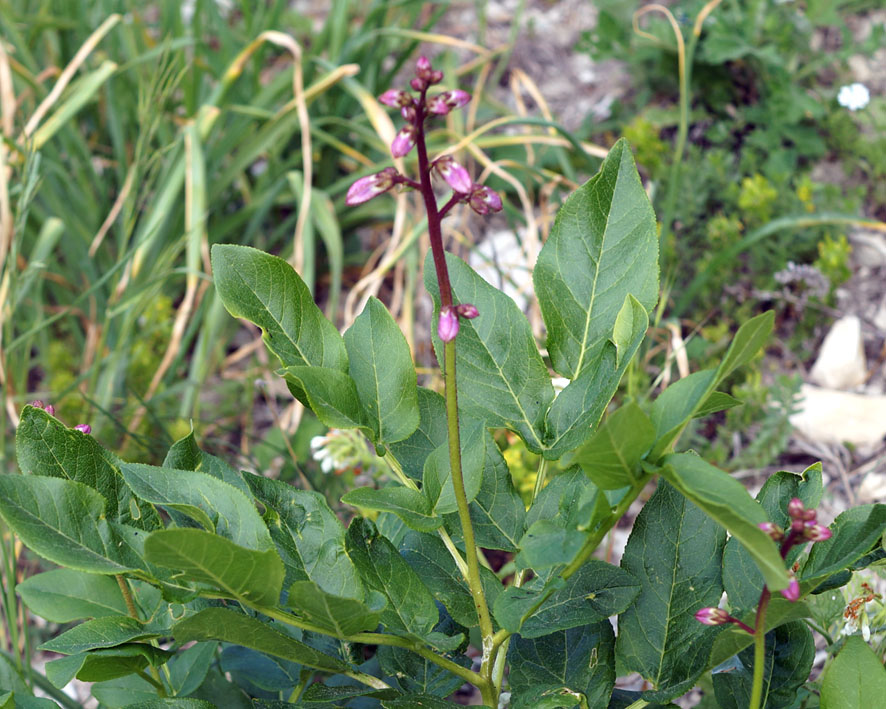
(454, 174)
(395, 98)
(408, 113)
(809, 515)
(441, 104)
(792, 592)
(418, 84)
(773, 530)
(423, 67)
(435, 77)
(49, 409)
(371, 186)
(37, 404)
(403, 141)
(83, 428)
(484, 200)
(712, 616)
(796, 508)
(815, 532)
(447, 326)
(467, 311)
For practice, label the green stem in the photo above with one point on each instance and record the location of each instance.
(759, 650)
(127, 596)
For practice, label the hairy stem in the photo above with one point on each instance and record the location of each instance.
(759, 650)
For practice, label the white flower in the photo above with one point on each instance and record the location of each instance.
(854, 96)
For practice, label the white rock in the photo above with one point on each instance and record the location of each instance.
(841, 363)
(831, 416)
(873, 488)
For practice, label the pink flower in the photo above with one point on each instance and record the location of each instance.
(418, 84)
(796, 508)
(37, 404)
(467, 311)
(83, 428)
(403, 141)
(395, 98)
(49, 409)
(422, 66)
(484, 200)
(447, 326)
(371, 186)
(442, 104)
(792, 592)
(712, 616)
(773, 530)
(815, 532)
(454, 174)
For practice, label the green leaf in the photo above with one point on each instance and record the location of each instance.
(578, 408)
(747, 342)
(602, 247)
(547, 544)
(551, 670)
(330, 394)
(105, 664)
(676, 406)
(232, 627)
(716, 402)
(674, 551)
(418, 676)
(320, 693)
(409, 505)
(381, 366)
(309, 537)
(174, 703)
(437, 476)
(501, 376)
(185, 454)
(727, 502)
(790, 651)
(429, 558)
(44, 446)
(267, 291)
(101, 633)
(854, 534)
(612, 456)
(212, 503)
(567, 500)
(855, 679)
(418, 701)
(411, 608)
(741, 577)
(63, 521)
(341, 616)
(64, 595)
(188, 668)
(252, 576)
(431, 433)
(595, 592)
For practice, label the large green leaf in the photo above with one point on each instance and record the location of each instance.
(501, 377)
(566, 666)
(674, 550)
(431, 433)
(726, 501)
(790, 650)
(63, 521)
(330, 394)
(267, 291)
(854, 534)
(855, 679)
(105, 664)
(578, 408)
(188, 668)
(185, 454)
(419, 676)
(209, 501)
(437, 483)
(547, 544)
(44, 446)
(101, 633)
(309, 537)
(64, 595)
(602, 247)
(232, 627)
(411, 608)
(408, 504)
(340, 616)
(252, 576)
(381, 366)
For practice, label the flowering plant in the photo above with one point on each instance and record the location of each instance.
(184, 571)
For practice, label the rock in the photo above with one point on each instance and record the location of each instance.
(841, 363)
(831, 416)
(873, 488)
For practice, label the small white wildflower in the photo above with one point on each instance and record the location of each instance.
(560, 383)
(317, 442)
(865, 627)
(854, 96)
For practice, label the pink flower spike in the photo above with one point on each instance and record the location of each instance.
(712, 616)
(395, 98)
(371, 186)
(484, 200)
(816, 532)
(403, 141)
(773, 530)
(447, 326)
(467, 311)
(442, 104)
(49, 409)
(454, 174)
(83, 428)
(792, 592)
(796, 508)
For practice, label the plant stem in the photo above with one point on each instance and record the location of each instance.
(127, 596)
(759, 650)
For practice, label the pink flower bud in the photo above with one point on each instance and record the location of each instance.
(408, 112)
(37, 404)
(712, 616)
(403, 141)
(447, 326)
(418, 84)
(484, 200)
(454, 174)
(371, 186)
(792, 592)
(395, 98)
(49, 409)
(816, 532)
(796, 508)
(83, 428)
(422, 66)
(435, 77)
(773, 530)
(467, 311)
(809, 515)
(442, 104)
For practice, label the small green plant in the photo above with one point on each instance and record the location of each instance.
(194, 584)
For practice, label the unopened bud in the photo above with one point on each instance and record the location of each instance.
(792, 592)
(815, 532)
(773, 530)
(447, 326)
(454, 174)
(467, 311)
(371, 186)
(484, 200)
(712, 616)
(408, 112)
(395, 98)
(403, 141)
(809, 515)
(83, 428)
(49, 409)
(441, 104)
(37, 404)
(418, 84)
(435, 77)
(423, 67)
(796, 508)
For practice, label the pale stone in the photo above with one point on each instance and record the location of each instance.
(873, 488)
(831, 416)
(841, 363)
